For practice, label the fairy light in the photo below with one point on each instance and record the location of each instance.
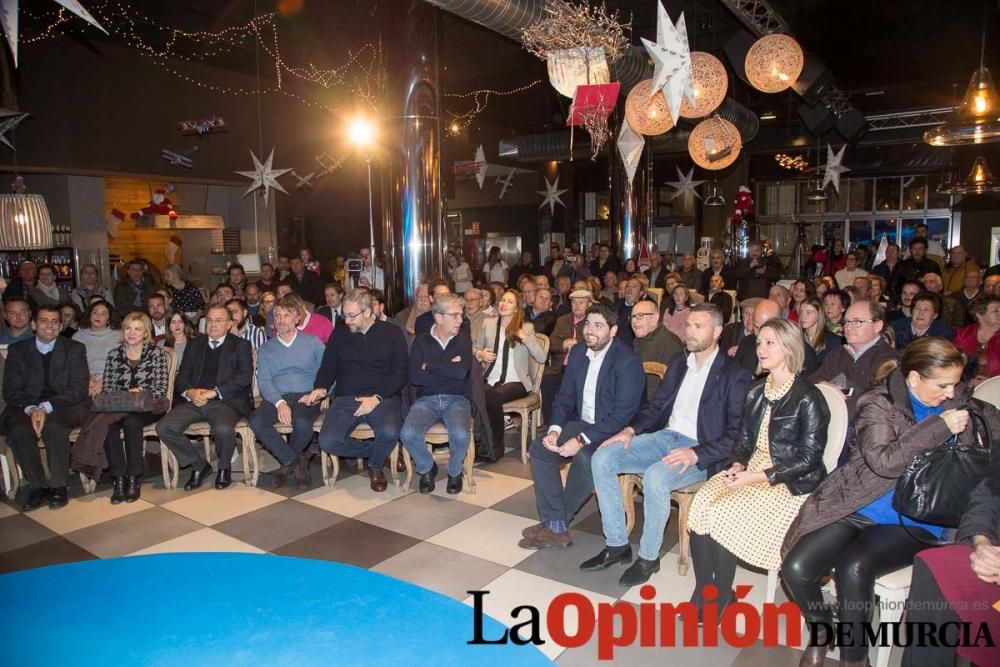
(480, 99)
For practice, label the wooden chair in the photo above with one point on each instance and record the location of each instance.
(989, 391)
(331, 462)
(8, 466)
(657, 294)
(437, 434)
(696, 296)
(735, 317)
(529, 408)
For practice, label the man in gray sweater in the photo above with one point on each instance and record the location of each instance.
(286, 371)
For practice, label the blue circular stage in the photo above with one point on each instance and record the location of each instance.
(242, 609)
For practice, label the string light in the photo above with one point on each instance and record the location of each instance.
(792, 162)
(481, 98)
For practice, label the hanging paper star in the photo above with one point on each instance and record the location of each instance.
(8, 121)
(505, 181)
(684, 184)
(671, 56)
(551, 194)
(834, 167)
(481, 166)
(263, 176)
(8, 20)
(630, 145)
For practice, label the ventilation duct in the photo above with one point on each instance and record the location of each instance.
(555, 146)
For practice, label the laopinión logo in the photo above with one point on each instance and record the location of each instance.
(620, 624)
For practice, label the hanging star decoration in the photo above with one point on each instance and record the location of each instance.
(685, 183)
(8, 20)
(834, 167)
(263, 176)
(505, 181)
(630, 144)
(303, 181)
(551, 195)
(8, 121)
(671, 56)
(481, 166)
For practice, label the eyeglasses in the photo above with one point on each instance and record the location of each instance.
(452, 315)
(856, 323)
(639, 316)
(350, 317)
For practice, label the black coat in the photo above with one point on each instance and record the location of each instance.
(728, 277)
(982, 516)
(719, 409)
(309, 287)
(796, 435)
(234, 379)
(24, 377)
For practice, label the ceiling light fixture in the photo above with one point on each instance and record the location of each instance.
(979, 181)
(714, 143)
(768, 115)
(710, 85)
(24, 223)
(773, 63)
(977, 119)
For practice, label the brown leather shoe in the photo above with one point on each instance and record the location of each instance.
(546, 539)
(377, 479)
(531, 530)
(400, 463)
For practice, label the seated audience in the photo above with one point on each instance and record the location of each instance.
(241, 326)
(849, 524)
(952, 311)
(48, 292)
(132, 290)
(980, 341)
(89, 288)
(45, 387)
(286, 373)
(179, 331)
(924, 321)
(236, 279)
(718, 296)
(332, 309)
(956, 271)
(652, 340)
(99, 339)
(690, 273)
(676, 440)
(917, 265)
(910, 289)
(268, 281)
(971, 288)
(364, 366)
(542, 317)
(777, 461)
(567, 333)
(735, 332)
(441, 362)
(835, 302)
(851, 270)
(69, 319)
(801, 290)
(781, 296)
(601, 391)
(678, 308)
(20, 286)
(378, 309)
(717, 266)
(746, 351)
(307, 284)
(213, 384)
(812, 321)
(156, 307)
(267, 301)
(251, 295)
(504, 345)
(311, 323)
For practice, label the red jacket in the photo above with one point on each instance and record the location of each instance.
(966, 340)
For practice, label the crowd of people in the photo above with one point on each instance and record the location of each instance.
(737, 410)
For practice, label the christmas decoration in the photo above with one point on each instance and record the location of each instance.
(684, 184)
(570, 68)
(591, 106)
(481, 166)
(173, 249)
(630, 145)
(263, 177)
(17, 186)
(8, 20)
(203, 126)
(744, 204)
(714, 143)
(159, 204)
(114, 221)
(181, 159)
(710, 85)
(505, 182)
(551, 195)
(834, 167)
(671, 62)
(571, 26)
(8, 121)
(303, 181)
(773, 63)
(647, 114)
(742, 222)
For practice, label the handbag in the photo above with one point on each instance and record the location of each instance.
(937, 483)
(128, 401)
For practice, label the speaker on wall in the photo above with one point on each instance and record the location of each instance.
(736, 48)
(852, 125)
(813, 79)
(818, 118)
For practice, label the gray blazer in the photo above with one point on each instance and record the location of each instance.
(485, 336)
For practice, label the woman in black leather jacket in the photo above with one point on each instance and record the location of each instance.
(744, 511)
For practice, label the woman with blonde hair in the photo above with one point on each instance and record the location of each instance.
(777, 460)
(135, 365)
(504, 346)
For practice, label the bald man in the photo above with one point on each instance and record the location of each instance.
(746, 353)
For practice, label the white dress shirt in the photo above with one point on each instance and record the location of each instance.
(588, 405)
(684, 417)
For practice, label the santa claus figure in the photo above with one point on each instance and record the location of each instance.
(159, 204)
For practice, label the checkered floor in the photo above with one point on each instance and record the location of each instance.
(449, 544)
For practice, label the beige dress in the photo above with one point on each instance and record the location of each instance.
(750, 521)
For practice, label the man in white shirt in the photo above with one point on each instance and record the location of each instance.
(602, 388)
(676, 440)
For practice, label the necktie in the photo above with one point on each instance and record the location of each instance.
(214, 344)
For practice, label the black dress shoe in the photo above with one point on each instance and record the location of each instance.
(58, 497)
(223, 478)
(639, 572)
(118, 492)
(427, 479)
(607, 558)
(36, 499)
(198, 477)
(454, 484)
(134, 488)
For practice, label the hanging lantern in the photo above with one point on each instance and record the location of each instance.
(980, 180)
(710, 85)
(976, 121)
(714, 197)
(24, 223)
(647, 115)
(714, 143)
(569, 68)
(773, 63)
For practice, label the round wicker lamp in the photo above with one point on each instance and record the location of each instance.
(710, 85)
(647, 115)
(773, 63)
(714, 143)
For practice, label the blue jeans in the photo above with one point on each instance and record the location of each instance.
(334, 437)
(643, 456)
(455, 412)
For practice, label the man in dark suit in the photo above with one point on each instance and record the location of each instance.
(213, 384)
(716, 295)
(755, 274)
(45, 386)
(679, 438)
(717, 267)
(656, 272)
(305, 283)
(602, 388)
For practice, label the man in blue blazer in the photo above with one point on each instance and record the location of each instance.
(679, 438)
(602, 389)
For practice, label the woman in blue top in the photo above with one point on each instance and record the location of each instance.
(848, 524)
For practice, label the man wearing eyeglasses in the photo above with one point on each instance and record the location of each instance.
(365, 363)
(850, 367)
(653, 341)
(440, 365)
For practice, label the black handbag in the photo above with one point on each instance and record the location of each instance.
(128, 401)
(937, 483)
